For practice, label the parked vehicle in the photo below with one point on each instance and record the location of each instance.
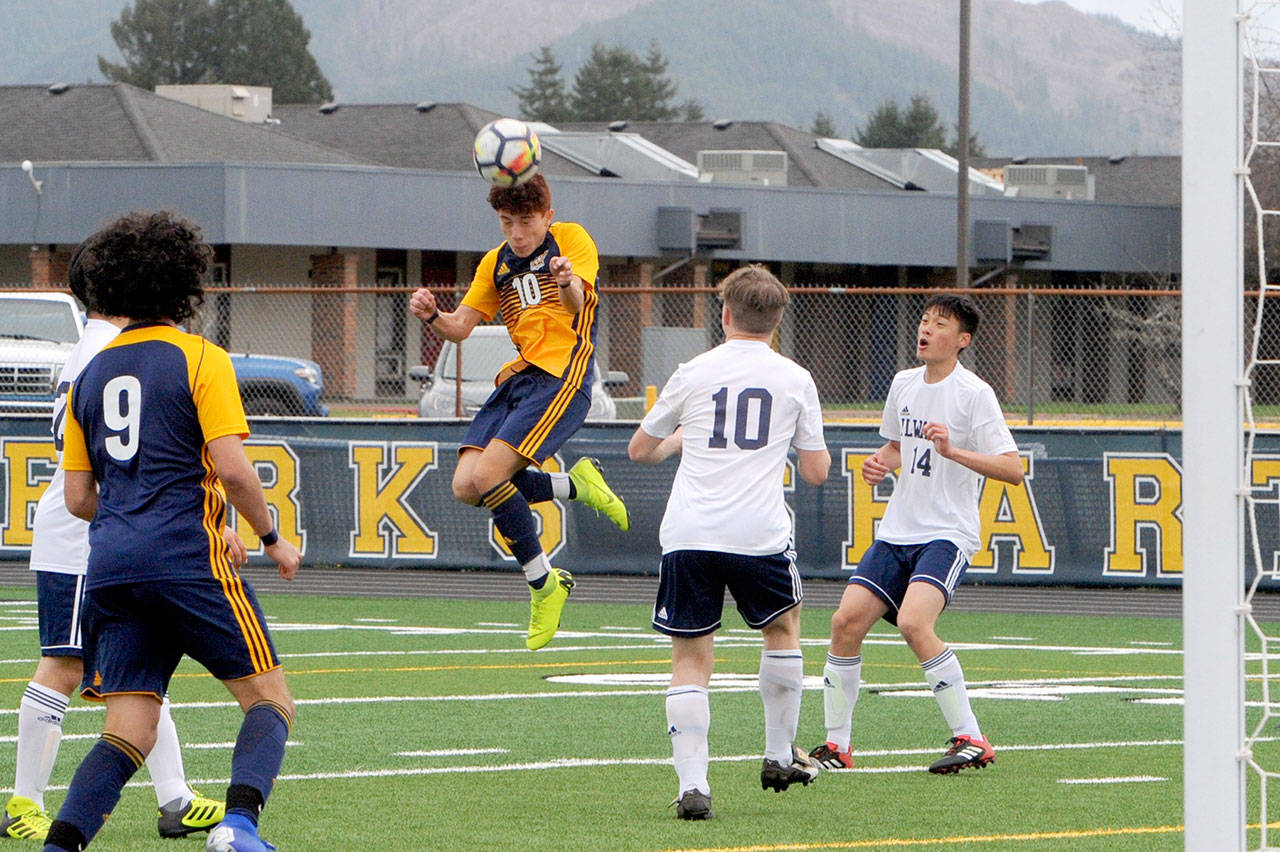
(483, 354)
(38, 331)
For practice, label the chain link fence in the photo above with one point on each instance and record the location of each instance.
(1072, 356)
(1087, 357)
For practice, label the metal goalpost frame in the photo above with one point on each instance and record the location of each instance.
(1214, 759)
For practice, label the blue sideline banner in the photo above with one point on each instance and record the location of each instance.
(1098, 507)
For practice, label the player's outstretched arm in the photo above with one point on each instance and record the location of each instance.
(244, 490)
(646, 449)
(451, 325)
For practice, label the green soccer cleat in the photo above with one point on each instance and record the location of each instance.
(24, 820)
(545, 607)
(596, 493)
(200, 814)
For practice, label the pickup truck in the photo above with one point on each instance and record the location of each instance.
(38, 331)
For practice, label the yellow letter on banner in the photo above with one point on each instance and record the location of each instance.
(277, 467)
(1266, 477)
(1146, 497)
(548, 517)
(29, 465)
(866, 507)
(1009, 513)
(385, 524)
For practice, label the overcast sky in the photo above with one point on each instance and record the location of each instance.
(1143, 14)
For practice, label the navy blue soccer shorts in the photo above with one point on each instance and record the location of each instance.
(136, 633)
(887, 570)
(533, 412)
(691, 586)
(60, 602)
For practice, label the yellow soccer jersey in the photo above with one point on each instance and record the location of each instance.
(546, 334)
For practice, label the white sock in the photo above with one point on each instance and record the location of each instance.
(536, 568)
(165, 762)
(559, 485)
(841, 679)
(39, 735)
(946, 679)
(781, 684)
(688, 720)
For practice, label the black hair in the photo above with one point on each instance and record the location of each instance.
(961, 308)
(147, 266)
(75, 277)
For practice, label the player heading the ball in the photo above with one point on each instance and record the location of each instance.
(542, 280)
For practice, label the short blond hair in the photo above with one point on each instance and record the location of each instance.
(755, 298)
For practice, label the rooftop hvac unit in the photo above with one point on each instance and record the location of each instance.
(251, 104)
(1044, 181)
(763, 168)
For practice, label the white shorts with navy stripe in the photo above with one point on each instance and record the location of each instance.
(887, 570)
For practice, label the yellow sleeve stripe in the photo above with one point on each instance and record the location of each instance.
(255, 637)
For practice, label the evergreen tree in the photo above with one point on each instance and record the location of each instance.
(249, 42)
(917, 127)
(615, 83)
(264, 43)
(162, 42)
(545, 98)
(823, 125)
(691, 110)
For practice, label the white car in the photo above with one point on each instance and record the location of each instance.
(483, 354)
(37, 333)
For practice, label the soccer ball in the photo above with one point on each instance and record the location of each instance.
(507, 152)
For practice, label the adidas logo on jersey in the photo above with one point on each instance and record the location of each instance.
(504, 269)
(906, 409)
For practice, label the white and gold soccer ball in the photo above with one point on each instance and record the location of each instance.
(507, 152)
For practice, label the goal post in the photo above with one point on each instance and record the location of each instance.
(1214, 769)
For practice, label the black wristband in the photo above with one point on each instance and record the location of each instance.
(270, 538)
(435, 315)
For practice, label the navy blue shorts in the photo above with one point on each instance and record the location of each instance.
(691, 586)
(533, 412)
(136, 633)
(60, 601)
(887, 570)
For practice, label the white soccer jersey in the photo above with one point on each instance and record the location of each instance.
(60, 540)
(741, 405)
(936, 498)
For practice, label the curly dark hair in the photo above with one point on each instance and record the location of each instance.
(532, 196)
(147, 266)
(75, 277)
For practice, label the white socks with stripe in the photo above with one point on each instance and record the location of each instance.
(946, 679)
(688, 720)
(39, 735)
(781, 684)
(165, 762)
(841, 679)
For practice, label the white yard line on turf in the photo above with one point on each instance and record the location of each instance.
(572, 763)
(450, 752)
(1132, 779)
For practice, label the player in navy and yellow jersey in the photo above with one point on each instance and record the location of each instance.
(542, 280)
(152, 453)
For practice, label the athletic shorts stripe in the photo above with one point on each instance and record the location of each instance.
(60, 606)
